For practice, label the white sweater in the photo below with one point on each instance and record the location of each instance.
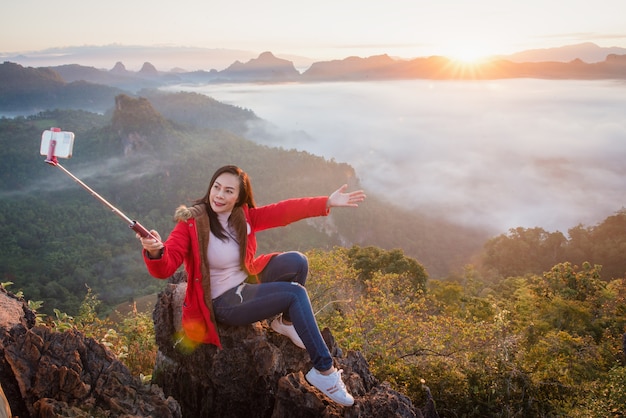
(224, 263)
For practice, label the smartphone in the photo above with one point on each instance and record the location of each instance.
(63, 143)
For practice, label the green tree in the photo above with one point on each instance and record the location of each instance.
(370, 260)
(523, 251)
(570, 282)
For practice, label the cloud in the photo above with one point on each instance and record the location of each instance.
(498, 154)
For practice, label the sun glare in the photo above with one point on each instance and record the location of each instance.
(468, 54)
(467, 60)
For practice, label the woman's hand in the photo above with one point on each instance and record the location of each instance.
(340, 198)
(151, 245)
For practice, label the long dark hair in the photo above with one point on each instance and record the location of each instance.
(237, 217)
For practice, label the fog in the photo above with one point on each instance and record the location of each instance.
(496, 154)
(92, 175)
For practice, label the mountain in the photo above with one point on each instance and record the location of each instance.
(90, 88)
(442, 68)
(17, 78)
(264, 68)
(586, 52)
(29, 90)
(351, 68)
(133, 56)
(268, 68)
(191, 59)
(198, 111)
(148, 69)
(118, 76)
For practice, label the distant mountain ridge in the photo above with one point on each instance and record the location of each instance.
(79, 86)
(82, 87)
(269, 68)
(189, 59)
(132, 55)
(36, 89)
(587, 52)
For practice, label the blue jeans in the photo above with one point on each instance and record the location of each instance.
(291, 266)
(281, 291)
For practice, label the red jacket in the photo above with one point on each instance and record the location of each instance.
(188, 243)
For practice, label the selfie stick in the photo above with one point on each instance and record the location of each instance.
(134, 225)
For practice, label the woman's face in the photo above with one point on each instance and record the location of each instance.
(224, 193)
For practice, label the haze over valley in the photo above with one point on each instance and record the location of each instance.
(496, 154)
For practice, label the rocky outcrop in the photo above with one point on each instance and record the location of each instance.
(137, 123)
(51, 374)
(119, 68)
(260, 373)
(148, 69)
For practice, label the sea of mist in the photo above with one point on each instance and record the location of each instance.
(498, 154)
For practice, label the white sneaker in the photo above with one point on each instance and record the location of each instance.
(287, 330)
(331, 386)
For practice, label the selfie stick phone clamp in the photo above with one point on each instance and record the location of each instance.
(51, 137)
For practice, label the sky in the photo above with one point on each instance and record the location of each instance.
(322, 29)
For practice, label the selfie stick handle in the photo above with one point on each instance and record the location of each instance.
(134, 225)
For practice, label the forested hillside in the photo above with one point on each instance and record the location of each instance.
(59, 239)
(535, 250)
(35, 89)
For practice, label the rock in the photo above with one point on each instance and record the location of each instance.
(148, 69)
(137, 123)
(49, 374)
(5, 409)
(260, 373)
(119, 68)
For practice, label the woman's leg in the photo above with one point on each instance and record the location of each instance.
(254, 302)
(291, 266)
(249, 303)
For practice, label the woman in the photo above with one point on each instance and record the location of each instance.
(215, 239)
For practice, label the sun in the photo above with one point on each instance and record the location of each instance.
(468, 51)
(468, 60)
(468, 54)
